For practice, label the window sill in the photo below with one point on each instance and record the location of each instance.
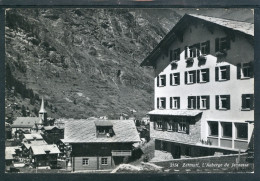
(175, 108)
(203, 82)
(213, 136)
(226, 138)
(223, 109)
(245, 78)
(190, 83)
(222, 80)
(241, 139)
(160, 108)
(161, 86)
(174, 84)
(203, 108)
(246, 109)
(183, 132)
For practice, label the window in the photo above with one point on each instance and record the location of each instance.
(175, 102)
(161, 102)
(175, 79)
(203, 75)
(159, 125)
(182, 126)
(227, 130)
(213, 128)
(222, 73)
(245, 70)
(222, 44)
(85, 161)
(190, 77)
(104, 161)
(203, 102)
(161, 80)
(192, 102)
(176, 54)
(223, 102)
(174, 65)
(172, 126)
(241, 130)
(247, 101)
(205, 48)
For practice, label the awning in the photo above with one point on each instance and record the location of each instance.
(175, 112)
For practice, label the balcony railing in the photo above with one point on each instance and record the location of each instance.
(121, 152)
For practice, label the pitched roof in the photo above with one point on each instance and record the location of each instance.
(103, 123)
(43, 149)
(34, 143)
(84, 131)
(24, 122)
(51, 127)
(10, 151)
(238, 26)
(175, 112)
(244, 27)
(33, 136)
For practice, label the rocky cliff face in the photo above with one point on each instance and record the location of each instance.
(85, 62)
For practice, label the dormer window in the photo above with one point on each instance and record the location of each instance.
(104, 128)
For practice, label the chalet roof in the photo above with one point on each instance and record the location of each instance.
(51, 127)
(84, 131)
(103, 123)
(33, 136)
(44, 149)
(174, 136)
(34, 143)
(25, 122)
(10, 151)
(178, 112)
(238, 26)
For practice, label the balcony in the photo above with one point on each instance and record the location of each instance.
(121, 152)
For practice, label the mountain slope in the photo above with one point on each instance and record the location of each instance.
(85, 62)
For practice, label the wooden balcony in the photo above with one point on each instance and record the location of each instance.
(121, 152)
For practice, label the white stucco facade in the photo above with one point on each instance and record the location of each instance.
(241, 51)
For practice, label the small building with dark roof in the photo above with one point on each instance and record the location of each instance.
(99, 144)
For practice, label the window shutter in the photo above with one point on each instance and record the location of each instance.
(178, 53)
(186, 51)
(228, 101)
(217, 102)
(198, 76)
(171, 55)
(187, 128)
(216, 73)
(251, 69)
(164, 80)
(158, 83)
(228, 72)
(189, 102)
(154, 125)
(239, 71)
(216, 44)
(170, 79)
(158, 103)
(170, 102)
(228, 43)
(207, 75)
(186, 76)
(208, 102)
(208, 47)
(243, 97)
(178, 79)
(198, 102)
(194, 75)
(164, 106)
(164, 125)
(252, 101)
(178, 102)
(195, 102)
